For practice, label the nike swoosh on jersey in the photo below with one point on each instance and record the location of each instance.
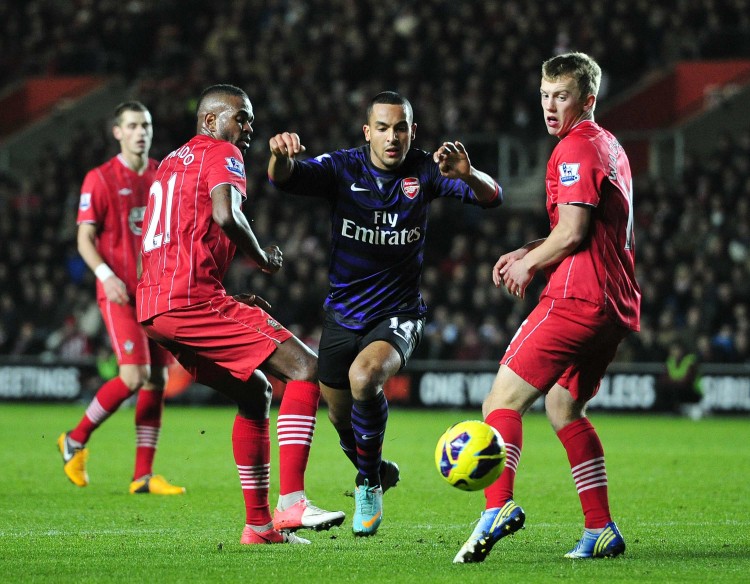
(354, 187)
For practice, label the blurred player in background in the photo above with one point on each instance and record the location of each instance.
(591, 302)
(110, 214)
(192, 227)
(379, 195)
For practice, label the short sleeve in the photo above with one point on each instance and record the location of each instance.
(579, 172)
(225, 165)
(93, 200)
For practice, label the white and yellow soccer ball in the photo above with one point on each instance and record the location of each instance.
(470, 455)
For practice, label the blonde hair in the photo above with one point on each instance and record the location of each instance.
(579, 66)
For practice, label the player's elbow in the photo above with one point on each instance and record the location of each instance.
(573, 228)
(493, 199)
(500, 195)
(497, 198)
(223, 217)
(572, 240)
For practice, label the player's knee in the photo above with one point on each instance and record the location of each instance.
(560, 416)
(366, 377)
(152, 386)
(305, 368)
(255, 405)
(309, 370)
(134, 377)
(156, 379)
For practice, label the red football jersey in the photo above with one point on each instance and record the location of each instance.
(185, 253)
(113, 197)
(589, 167)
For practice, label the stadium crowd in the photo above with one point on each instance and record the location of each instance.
(467, 67)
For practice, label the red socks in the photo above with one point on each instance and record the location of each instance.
(295, 427)
(508, 423)
(586, 456)
(148, 411)
(105, 403)
(251, 445)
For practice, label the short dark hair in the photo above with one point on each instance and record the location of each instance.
(128, 106)
(220, 89)
(391, 98)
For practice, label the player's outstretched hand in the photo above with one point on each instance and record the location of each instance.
(253, 300)
(452, 160)
(274, 259)
(286, 145)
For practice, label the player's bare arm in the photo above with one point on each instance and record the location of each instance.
(453, 162)
(226, 210)
(570, 231)
(284, 147)
(114, 288)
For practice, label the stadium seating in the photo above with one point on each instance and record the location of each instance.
(311, 67)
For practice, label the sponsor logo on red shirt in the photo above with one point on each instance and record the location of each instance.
(85, 202)
(569, 173)
(235, 166)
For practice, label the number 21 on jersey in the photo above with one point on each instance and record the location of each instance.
(159, 204)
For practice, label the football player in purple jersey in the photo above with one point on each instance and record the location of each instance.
(379, 196)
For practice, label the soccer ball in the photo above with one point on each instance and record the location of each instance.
(470, 455)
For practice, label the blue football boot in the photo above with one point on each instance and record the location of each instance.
(368, 509)
(607, 544)
(494, 524)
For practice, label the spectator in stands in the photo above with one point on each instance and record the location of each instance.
(666, 33)
(28, 341)
(68, 343)
(679, 388)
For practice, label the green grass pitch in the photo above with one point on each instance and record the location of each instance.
(679, 491)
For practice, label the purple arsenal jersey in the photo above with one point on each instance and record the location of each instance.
(378, 223)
